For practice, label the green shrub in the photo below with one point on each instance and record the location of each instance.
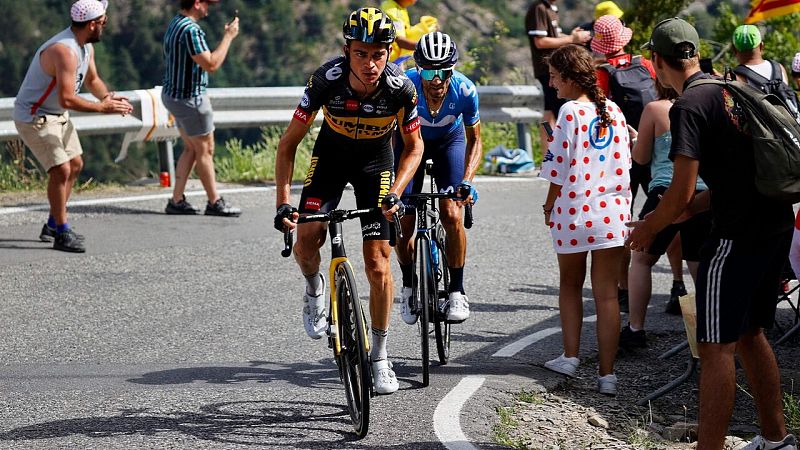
(256, 163)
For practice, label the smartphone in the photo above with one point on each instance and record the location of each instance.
(547, 128)
(706, 66)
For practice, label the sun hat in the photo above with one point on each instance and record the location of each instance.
(608, 8)
(610, 35)
(746, 37)
(86, 10)
(669, 34)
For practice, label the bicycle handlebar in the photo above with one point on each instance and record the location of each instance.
(337, 215)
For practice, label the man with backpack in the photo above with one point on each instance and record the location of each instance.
(713, 126)
(765, 74)
(628, 80)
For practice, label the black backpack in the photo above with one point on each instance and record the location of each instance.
(773, 85)
(631, 87)
(776, 139)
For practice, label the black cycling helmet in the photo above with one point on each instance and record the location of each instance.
(436, 50)
(369, 25)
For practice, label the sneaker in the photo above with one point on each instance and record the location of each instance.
(622, 298)
(674, 303)
(383, 378)
(759, 443)
(408, 316)
(181, 207)
(221, 208)
(49, 234)
(68, 241)
(631, 339)
(607, 384)
(315, 317)
(457, 307)
(563, 365)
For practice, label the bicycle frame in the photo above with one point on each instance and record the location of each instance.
(338, 256)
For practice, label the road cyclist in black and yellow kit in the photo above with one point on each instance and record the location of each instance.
(362, 98)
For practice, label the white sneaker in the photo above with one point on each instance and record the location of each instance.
(405, 306)
(563, 365)
(457, 307)
(315, 317)
(759, 443)
(607, 384)
(383, 379)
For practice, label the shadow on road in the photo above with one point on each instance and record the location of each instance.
(15, 244)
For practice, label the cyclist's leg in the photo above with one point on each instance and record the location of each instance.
(405, 245)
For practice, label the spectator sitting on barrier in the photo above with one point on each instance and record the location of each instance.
(587, 206)
(742, 260)
(60, 67)
(188, 61)
(652, 147)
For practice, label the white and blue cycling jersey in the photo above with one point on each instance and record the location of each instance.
(460, 106)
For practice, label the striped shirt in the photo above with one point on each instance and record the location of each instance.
(183, 39)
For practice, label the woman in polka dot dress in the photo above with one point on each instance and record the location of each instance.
(587, 206)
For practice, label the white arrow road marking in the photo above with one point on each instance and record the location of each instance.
(447, 416)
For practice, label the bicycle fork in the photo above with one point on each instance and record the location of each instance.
(338, 256)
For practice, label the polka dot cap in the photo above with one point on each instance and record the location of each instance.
(86, 10)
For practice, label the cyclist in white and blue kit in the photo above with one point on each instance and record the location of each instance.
(448, 113)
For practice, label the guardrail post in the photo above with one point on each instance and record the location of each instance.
(524, 138)
(166, 163)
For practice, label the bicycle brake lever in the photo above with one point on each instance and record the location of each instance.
(288, 242)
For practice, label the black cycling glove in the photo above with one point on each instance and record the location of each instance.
(285, 211)
(392, 199)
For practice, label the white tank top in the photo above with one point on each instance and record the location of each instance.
(37, 95)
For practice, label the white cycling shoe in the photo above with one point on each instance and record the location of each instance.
(457, 307)
(405, 306)
(315, 317)
(384, 380)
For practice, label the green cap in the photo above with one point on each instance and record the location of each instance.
(668, 34)
(746, 37)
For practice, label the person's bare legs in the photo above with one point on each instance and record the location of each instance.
(624, 270)
(675, 256)
(604, 287)
(717, 392)
(640, 287)
(75, 167)
(381, 284)
(183, 168)
(764, 377)
(204, 164)
(57, 179)
(454, 229)
(572, 273)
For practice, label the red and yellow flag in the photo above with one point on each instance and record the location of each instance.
(767, 9)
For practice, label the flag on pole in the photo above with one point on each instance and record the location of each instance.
(767, 9)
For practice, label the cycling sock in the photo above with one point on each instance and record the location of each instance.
(51, 221)
(314, 284)
(378, 351)
(456, 279)
(408, 274)
(62, 228)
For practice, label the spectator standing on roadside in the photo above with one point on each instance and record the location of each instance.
(742, 261)
(587, 206)
(58, 71)
(602, 9)
(544, 36)
(188, 62)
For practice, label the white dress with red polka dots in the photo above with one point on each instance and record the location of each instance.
(592, 169)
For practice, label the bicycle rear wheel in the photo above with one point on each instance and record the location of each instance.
(354, 364)
(440, 324)
(423, 293)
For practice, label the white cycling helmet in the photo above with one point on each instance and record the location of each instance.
(436, 50)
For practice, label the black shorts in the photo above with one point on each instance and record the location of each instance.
(694, 232)
(640, 176)
(368, 171)
(737, 286)
(551, 100)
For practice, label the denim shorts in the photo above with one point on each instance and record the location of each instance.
(193, 115)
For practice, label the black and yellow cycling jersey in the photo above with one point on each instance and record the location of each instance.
(355, 118)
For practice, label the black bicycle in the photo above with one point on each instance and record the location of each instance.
(348, 332)
(429, 300)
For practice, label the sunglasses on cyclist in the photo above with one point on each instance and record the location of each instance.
(430, 74)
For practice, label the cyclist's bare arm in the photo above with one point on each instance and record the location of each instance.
(284, 162)
(409, 161)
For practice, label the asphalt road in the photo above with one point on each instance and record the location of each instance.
(185, 332)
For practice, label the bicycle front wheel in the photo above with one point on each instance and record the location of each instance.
(353, 359)
(424, 294)
(441, 325)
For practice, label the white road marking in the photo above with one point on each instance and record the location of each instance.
(447, 416)
(140, 198)
(520, 344)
